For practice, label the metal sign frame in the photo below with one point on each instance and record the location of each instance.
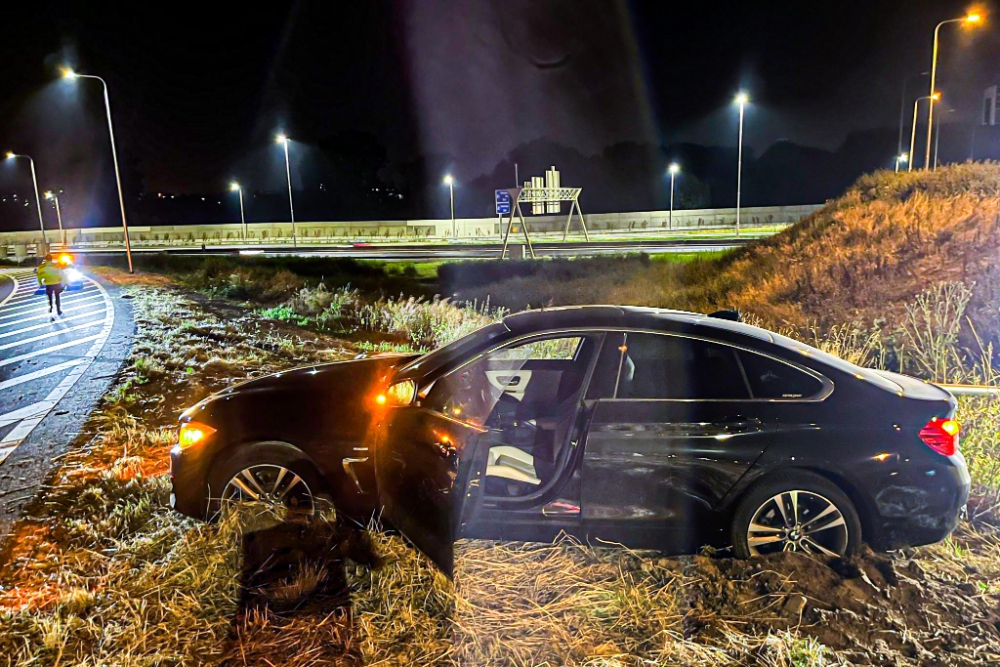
(542, 195)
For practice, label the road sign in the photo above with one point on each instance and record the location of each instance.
(503, 202)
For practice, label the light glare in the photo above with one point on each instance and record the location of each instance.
(234, 186)
(448, 179)
(68, 73)
(281, 139)
(674, 168)
(10, 155)
(742, 99)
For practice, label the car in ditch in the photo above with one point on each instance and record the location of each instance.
(644, 427)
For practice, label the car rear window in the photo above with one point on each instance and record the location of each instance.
(842, 365)
(770, 378)
(672, 367)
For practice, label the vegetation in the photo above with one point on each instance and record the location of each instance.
(103, 572)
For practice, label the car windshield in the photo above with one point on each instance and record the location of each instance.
(455, 349)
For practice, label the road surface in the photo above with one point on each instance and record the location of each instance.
(53, 370)
(435, 251)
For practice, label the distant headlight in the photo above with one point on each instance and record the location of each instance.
(192, 433)
(72, 275)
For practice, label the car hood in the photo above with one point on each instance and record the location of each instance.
(351, 377)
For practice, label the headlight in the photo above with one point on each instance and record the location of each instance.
(192, 433)
(72, 275)
(401, 393)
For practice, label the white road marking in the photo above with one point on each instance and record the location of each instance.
(44, 310)
(12, 292)
(47, 350)
(43, 325)
(28, 417)
(42, 303)
(23, 298)
(42, 372)
(51, 334)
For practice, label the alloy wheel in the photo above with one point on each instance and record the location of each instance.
(279, 489)
(800, 521)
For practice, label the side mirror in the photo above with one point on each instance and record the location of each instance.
(398, 394)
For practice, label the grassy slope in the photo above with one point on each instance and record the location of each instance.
(861, 257)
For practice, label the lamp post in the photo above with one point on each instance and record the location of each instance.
(235, 187)
(913, 130)
(969, 19)
(55, 198)
(742, 99)
(902, 157)
(72, 76)
(449, 180)
(283, 140)
(673, 169)
(34, 181)
(902, 108)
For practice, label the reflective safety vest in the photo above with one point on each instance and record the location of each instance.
(49, 273)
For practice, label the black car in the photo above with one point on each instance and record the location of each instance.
(645, 427)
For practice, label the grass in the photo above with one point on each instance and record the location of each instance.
(102, 572)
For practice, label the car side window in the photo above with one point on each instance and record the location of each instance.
(770, 378)
(657, 366)
(529, 375)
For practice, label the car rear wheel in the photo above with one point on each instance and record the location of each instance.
(796, 511)
(271, 477)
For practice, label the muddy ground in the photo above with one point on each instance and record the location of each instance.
(105, 573)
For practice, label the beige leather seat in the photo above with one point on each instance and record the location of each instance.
(512, 463)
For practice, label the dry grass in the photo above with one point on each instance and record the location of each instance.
(861, 257)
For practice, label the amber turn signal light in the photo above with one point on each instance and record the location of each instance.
(192, 433)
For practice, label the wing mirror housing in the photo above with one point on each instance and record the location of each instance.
(398, 394)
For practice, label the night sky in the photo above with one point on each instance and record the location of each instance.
(199, 89)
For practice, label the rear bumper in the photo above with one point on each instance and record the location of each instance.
(921, 506)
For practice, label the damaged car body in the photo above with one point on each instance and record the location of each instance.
(644, 427)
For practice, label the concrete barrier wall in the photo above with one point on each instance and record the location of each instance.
(409, 230)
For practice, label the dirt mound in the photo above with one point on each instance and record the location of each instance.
(868, 611)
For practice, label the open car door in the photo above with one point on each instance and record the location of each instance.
(500, 415)
(430, 469)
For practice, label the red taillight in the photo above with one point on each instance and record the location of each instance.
(941, 435)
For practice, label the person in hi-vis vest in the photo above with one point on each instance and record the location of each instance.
(50, 276)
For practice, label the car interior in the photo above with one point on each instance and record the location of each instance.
(527, 396)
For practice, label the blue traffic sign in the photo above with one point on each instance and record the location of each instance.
(503, 202)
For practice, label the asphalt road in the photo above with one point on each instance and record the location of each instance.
(53, 370)
(435, 252)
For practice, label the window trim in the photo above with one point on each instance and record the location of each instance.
(819, 397)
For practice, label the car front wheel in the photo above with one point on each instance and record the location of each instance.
(269, 476)
(796, 511)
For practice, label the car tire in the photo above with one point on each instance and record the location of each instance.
(266, 454)
(811, 495)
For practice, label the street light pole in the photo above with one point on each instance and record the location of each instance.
(913, 130)
(283, 140)
(970, 18)
(449, 180)
(902, 109)
(672, 169)
(70, 74)
(902, 157)
(742, 100)
(235, 187)
(34, 181)
(62, 232)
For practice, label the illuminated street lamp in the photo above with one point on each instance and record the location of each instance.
(902, 157)
(741, 99)
(235, 187)
(913, 132)
(969, 19)
(673, 170)
(55, 198)
(72, 76)
(34, 181)
(283, 140)
(450, 182)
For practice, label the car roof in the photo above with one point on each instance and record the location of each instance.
(630, 317)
